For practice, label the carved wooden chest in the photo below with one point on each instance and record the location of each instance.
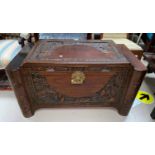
(67, 73)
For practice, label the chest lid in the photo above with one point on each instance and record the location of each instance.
(75, 52)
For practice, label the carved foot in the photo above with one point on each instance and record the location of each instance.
(123, 112)
(153, 114)
(28, 114)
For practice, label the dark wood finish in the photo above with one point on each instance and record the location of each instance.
(137, 53)
(89, 36)
(36, 36)
(94, 36)
(43, 78)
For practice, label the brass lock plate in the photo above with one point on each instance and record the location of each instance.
(78, 77)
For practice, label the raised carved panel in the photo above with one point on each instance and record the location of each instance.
(44, 49)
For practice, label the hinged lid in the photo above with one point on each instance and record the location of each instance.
(75, 52)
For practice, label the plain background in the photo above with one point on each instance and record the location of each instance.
(94, 16)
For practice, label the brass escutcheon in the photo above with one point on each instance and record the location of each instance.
(77, 77)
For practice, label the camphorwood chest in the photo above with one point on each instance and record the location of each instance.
(67, 73)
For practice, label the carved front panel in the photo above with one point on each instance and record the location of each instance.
(41, 92)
